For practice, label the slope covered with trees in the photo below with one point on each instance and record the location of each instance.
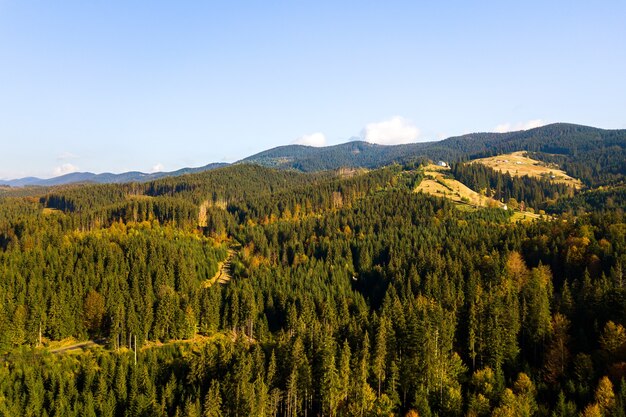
(596, 156)
(351, 295)
(532, 192)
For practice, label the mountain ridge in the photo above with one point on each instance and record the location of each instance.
(585, 152)
(105, 177)
(472, 143)
(591, 154)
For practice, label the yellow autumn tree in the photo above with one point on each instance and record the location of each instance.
(592, 410)
(605, 397)
(613, 337)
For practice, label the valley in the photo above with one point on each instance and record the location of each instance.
(312, 209)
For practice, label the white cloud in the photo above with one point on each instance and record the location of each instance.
(158, 167)
(67, 155)
(393, 131)
(64, 169)
(314, 139)
(509, 127)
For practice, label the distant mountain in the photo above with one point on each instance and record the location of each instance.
(591, 154)
(596, 156)
(105, 178)
(350, 154)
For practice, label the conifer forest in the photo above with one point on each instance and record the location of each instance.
(251, 291)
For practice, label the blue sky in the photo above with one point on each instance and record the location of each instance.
(115, 86)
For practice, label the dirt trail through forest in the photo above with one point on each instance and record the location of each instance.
(75, 346)
(223, 271)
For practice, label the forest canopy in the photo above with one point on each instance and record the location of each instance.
(345, 294)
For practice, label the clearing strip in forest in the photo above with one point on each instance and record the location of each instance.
(75, 346)
(223, 271)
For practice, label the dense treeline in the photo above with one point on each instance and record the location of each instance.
(247, 192)
(531, 192)
(225, 184)
(56, 246)
(595, 167)
(595, 156)
(351, 296)
(141, 279)
(355, 154)
(598, 200)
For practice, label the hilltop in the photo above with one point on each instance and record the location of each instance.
(518, 164)
(593, 155)
(438, 182)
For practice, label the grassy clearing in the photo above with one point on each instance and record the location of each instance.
(138, 197)
(70, 345)
(524, 216)
(436, 183)
(197, 340)
(350, 172)
(518, 164)
(47, 210)
(60, 344)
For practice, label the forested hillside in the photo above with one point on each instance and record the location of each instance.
(596, 156)
(537, 193)
(351, 295)
(350, 154)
